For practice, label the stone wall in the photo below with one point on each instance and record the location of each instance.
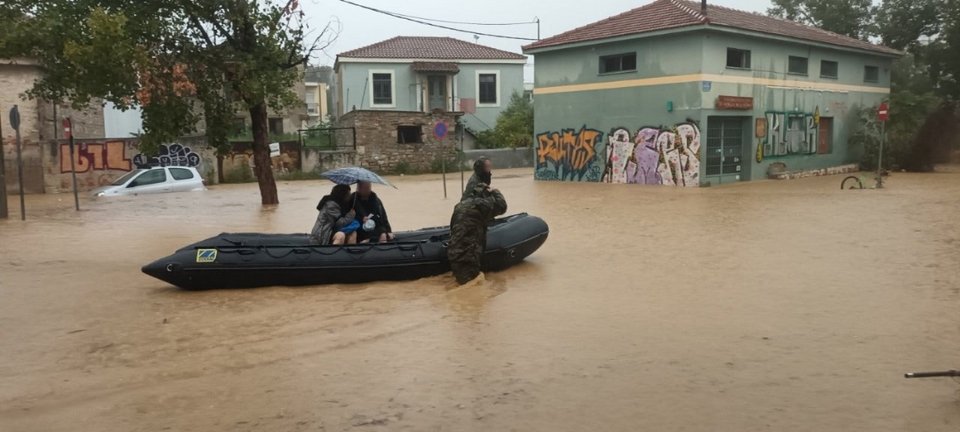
(38, 125)
(377, 144)
(317, 161)
(237, 166)
(15, 80)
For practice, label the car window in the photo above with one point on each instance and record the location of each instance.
(125, 178)
(150, 177)
(181, 174)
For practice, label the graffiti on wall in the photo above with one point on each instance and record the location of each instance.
(110, 155)
(169, 155)
(655, 156)
(789, 133)
(569, 155)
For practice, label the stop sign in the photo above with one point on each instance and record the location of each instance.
(883, 113)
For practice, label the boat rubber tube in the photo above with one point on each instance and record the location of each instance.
(247, 260)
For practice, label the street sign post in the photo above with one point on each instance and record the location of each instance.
(15, 123)
(3, 179)
(440, 132)
(883, 114)
(68, 134)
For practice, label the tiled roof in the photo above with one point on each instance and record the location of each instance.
(669, 14)
(435, 67)
(428, 47)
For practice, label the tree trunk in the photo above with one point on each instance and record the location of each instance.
(263, 167)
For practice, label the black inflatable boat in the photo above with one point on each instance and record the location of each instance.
(255, 260)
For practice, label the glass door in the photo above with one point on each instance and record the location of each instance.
(437, 92)
(725, 147)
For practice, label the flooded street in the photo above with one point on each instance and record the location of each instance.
(780, 306)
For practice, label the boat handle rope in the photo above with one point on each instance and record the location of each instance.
(353, 250)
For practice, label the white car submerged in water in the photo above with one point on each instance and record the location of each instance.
(154, 180)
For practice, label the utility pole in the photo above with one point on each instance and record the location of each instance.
(68, 133)
(538, 27)
(15, 123)
(883, 114)
(3, 179)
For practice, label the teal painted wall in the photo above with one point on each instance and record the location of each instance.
(356, 90)
(511, 80)
(606, 116)
(574, 131)
(676, 54)
(769, 61)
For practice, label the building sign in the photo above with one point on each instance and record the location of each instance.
(707, 85)
(760, 127)
(734, 103)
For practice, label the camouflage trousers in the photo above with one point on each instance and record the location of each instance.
(468, 234)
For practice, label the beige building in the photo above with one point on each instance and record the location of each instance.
(315, 96)
(40, 123)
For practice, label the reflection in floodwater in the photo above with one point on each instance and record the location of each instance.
(786, 306)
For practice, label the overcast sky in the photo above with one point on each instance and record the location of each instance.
(361, 27)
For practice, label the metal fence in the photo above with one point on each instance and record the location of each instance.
(332, 138)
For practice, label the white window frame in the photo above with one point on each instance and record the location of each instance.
(393, 88)
(499, 95)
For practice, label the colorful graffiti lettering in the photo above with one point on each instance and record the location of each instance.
(110, 155)
(572, 154)
(656, 156)
(619, 150)
(653, 156)
(789, 133)
(169, 155)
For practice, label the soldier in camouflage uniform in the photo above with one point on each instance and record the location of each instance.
(468, 230)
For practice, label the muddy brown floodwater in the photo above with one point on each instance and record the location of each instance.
(780, 306)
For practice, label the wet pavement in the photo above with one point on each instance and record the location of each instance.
(781, 306)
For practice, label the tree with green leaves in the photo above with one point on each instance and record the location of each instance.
(852, 18)
(514, 125)
(182, 61)
(925, 87)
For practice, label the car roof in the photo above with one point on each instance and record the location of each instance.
(174, 166)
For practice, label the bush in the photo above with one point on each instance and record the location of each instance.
(514, 126)
(403, 168)
(437, 164)
(243, 174)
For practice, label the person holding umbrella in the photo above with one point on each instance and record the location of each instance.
(372, 215)
(368, 208)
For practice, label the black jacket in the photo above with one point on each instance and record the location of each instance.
(374, 207)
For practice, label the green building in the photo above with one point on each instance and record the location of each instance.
(423, 74)
(686, 94)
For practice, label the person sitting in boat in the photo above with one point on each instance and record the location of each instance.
(336, 223)
(482, 173)
(468, 231)
(372, 216)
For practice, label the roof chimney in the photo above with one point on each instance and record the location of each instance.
(703, 7)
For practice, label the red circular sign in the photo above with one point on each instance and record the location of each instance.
(883, 113)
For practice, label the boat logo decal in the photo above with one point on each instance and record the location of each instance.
(206, 255)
